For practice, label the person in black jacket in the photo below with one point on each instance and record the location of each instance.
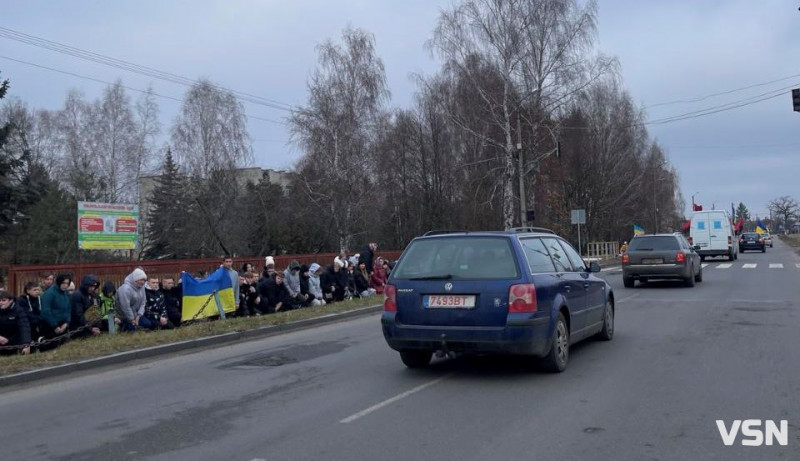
(249, 297)
(155, 307)
(367, 256)
(173, 297)
(31, 304)
(15, 333)
(83, 299)
(274, 295)
(308, 297)
(334, 282)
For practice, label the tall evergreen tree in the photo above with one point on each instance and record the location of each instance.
(166, 219)
(742, 212)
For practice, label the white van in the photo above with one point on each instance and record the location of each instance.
(713, 232)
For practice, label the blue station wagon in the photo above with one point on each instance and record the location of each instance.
(522, 291)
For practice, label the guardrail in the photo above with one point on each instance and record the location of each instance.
(602, 249)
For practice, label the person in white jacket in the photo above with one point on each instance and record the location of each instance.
(131, 300)
(314, 286)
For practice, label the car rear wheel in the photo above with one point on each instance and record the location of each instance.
(628, 282)
(732, 255)
(702, 258)
(690, 279)
(763, 249)
(699, 276)
(416, 359)
(556, 360)
(607, 333)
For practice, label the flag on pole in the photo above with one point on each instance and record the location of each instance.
(637, 230)
(760, 227)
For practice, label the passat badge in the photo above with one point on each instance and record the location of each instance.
(448, 287)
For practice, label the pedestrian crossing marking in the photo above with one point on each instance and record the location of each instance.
(725, 266)
(797, 265)
(776, 266)
(704, 265)
(749, 266)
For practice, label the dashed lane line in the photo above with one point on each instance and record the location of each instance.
(749, 266)
(724, 266)
(392, 400)
(776, 266)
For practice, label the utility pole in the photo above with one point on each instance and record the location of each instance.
(655, 207)
(522, 205)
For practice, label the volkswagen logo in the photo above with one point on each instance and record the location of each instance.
(448, 287)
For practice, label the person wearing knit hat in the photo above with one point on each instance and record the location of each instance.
(131, 299)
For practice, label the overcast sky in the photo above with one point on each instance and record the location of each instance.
(669, 51)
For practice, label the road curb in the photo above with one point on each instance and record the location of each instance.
(129, 356)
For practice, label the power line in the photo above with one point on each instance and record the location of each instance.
(132, 67)
(123, 86)
(703, 98)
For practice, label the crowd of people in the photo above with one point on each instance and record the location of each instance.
(53, 310)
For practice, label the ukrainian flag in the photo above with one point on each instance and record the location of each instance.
(214, 292)
(760, 227)
(638, 230)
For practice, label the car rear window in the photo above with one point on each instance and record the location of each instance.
(750, 235)
(654, 244)
(484, 258)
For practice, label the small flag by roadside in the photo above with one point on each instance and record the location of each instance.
(637, 230)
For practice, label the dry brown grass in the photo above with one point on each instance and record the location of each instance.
(103, 345)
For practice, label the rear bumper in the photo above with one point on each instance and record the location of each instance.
(523, 336)
(746, 246)
(660, 271)
(724, 252)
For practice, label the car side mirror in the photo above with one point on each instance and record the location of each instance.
(696, 248)
(594, 266)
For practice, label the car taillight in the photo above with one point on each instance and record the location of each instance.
(741, 240)
(680, 258)
(626, 258)
(760, 240)
(522, 298)
(390, 302)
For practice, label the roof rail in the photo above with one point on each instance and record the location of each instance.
(443, 231)
(516, 230)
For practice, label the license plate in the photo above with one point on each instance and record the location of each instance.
(652, 261)
(751, 241)
(448, 301)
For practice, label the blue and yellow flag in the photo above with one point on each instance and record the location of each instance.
(214, 292)
(637, 230)
(760, 227)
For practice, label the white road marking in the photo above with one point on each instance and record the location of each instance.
(749, 266)
(704, 265)
(724, 266)
(776, 266)
(390, 401)
(797, 265)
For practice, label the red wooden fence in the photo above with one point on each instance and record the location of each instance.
(17, 276)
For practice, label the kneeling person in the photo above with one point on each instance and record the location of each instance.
(155, 307)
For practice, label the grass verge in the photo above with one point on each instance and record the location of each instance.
(793, 240)
(105, 344)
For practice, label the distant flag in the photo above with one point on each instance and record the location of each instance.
(760, 227)
(697, 207)
(687, 226)
(637, 230)
(739, 226)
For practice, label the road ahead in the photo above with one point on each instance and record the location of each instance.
(681, 359)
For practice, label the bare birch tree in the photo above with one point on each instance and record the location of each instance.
(335, 129)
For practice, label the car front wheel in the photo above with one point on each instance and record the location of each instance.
(607, 333)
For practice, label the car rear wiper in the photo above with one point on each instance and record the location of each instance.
(433, 277)
(643, 249)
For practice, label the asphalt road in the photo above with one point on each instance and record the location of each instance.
(681, 359)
